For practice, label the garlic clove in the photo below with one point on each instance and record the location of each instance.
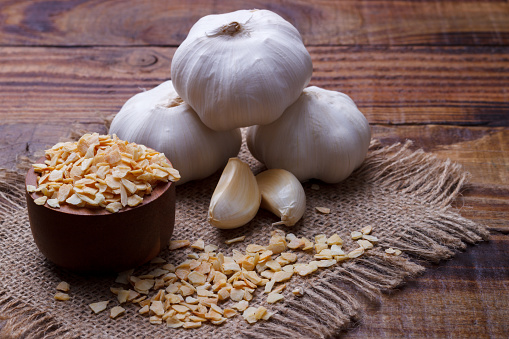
(159, 119)
(236, 199)
(282, 194)
(322, 135)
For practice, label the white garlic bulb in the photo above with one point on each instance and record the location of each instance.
(236, 199)
(322, 135)
(282, 194)
(159, 119)
(241, 69)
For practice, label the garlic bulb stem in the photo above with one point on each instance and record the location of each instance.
(231, 29)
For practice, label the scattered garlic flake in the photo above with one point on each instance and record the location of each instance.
(298, 292)
(335, 239)
(273, 298)
(116, 311)
(238, 239)
(290, 237)
(194, 291)
(336, 250)
(63, 286)
(356, 253)
(393, 251)
(210, 248)
(61, 296)
(356, 235)
(366, 230)
(99, 306)
(198, 244)
(365, 244)
(370, 238)
(176, 244)
(323, 210)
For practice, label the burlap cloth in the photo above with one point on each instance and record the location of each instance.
(404, 194)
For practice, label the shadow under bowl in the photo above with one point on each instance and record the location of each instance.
(86, 239)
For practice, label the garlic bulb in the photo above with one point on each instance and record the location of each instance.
(241, 69)
(282, 194)
(322, 135)
(236, 199)
(159, 119)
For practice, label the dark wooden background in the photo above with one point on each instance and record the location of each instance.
(436, 72)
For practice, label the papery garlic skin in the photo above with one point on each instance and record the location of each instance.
(241, 69)
(236, 199)
(282, 194)
(322, 136)
(159, 119)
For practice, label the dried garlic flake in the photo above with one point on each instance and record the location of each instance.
(323, 210)
(63, 286)
(175, 244)
(62, 296)
(116, 312)
(99, 170)
(356, 235)
(41, 200)
(238, 239)
(99, 306)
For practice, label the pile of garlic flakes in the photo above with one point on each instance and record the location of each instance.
(212, 287)
(100, 171)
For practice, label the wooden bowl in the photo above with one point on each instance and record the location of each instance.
(95, 240)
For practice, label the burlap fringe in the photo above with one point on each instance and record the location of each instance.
(18, 320)
(21, 321)
(333, 300)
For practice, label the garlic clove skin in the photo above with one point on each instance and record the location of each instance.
(241, 68)
(236, 199)
(322, 135)
(159, 119)
(283, 195)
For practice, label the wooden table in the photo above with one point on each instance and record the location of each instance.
(435, 72)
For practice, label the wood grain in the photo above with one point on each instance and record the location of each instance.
(166, 23)
(483, 152)
(435, 72)
(460, 298)
(391, 85)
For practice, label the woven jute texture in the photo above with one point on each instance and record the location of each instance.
(404, 194)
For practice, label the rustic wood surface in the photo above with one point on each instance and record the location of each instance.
(435, 72)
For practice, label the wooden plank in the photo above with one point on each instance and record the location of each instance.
(415, 85)
(321, 22)
(29, 140)
(483, 152)
(391, 85)
(461, 298)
